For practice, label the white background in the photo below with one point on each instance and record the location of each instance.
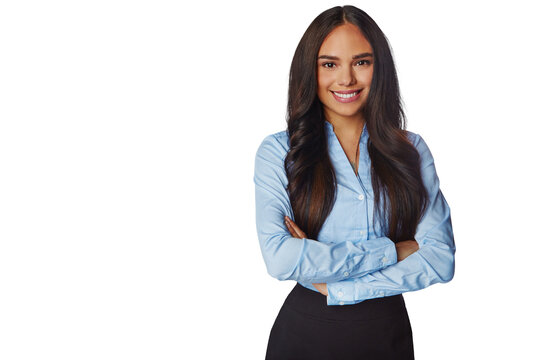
(127, 142)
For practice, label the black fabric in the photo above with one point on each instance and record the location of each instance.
(307, 328)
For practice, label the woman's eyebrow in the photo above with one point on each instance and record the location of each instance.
(362, 55)
(358, 56)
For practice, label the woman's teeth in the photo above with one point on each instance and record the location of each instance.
(346, 96)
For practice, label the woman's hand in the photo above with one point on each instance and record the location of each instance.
(322, 288)
(294, 229)
(298, 233)
(406, 248)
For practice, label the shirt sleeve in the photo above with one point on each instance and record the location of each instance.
(432, 263)
(304, 260)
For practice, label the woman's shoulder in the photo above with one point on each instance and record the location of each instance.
(419, 143)
(413, 137)
(417, 140)
(276, 144)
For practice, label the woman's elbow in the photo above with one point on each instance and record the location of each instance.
(440, 261)
(449, 274)
(281, 255)
(278, 268)
(278, 271)
(448, 267)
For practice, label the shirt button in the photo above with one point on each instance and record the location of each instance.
(381, 293)
(361, 197)
(341, 303)
(346, 273)
(340, 294)
(384, 259)
(362, 232)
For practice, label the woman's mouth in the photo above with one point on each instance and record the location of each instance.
(346, 96)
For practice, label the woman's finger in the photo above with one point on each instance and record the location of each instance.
(298, 231)
(321, 287)
(290, 228)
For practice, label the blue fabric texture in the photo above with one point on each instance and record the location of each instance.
(350, 254)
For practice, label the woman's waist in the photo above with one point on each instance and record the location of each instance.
(314, 304)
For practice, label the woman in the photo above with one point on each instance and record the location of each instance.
(348, 202)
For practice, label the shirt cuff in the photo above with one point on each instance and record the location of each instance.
(389, 256)
(382, 253)
(344, 292)
(340, 293)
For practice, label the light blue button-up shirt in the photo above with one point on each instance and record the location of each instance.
(350, 254)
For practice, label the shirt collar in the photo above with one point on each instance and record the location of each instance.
(363, 137)
(344, 173)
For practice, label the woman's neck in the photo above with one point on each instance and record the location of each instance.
(347, 128)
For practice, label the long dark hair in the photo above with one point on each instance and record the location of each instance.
(399, 194)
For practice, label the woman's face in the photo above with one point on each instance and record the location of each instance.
(344, 72)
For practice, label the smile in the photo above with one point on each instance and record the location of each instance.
(347, 96)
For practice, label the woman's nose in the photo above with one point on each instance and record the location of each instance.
(346, 77)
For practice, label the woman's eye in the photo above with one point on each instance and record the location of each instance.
(329, 65)
(363, 62)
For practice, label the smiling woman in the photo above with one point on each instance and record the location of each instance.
(344, 71)
(350, 66)
(347, 201)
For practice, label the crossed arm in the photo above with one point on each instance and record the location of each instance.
(350, 272)
(403, 249)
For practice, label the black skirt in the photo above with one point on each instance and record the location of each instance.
(307, 328)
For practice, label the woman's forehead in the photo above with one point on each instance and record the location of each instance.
(344, 40)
